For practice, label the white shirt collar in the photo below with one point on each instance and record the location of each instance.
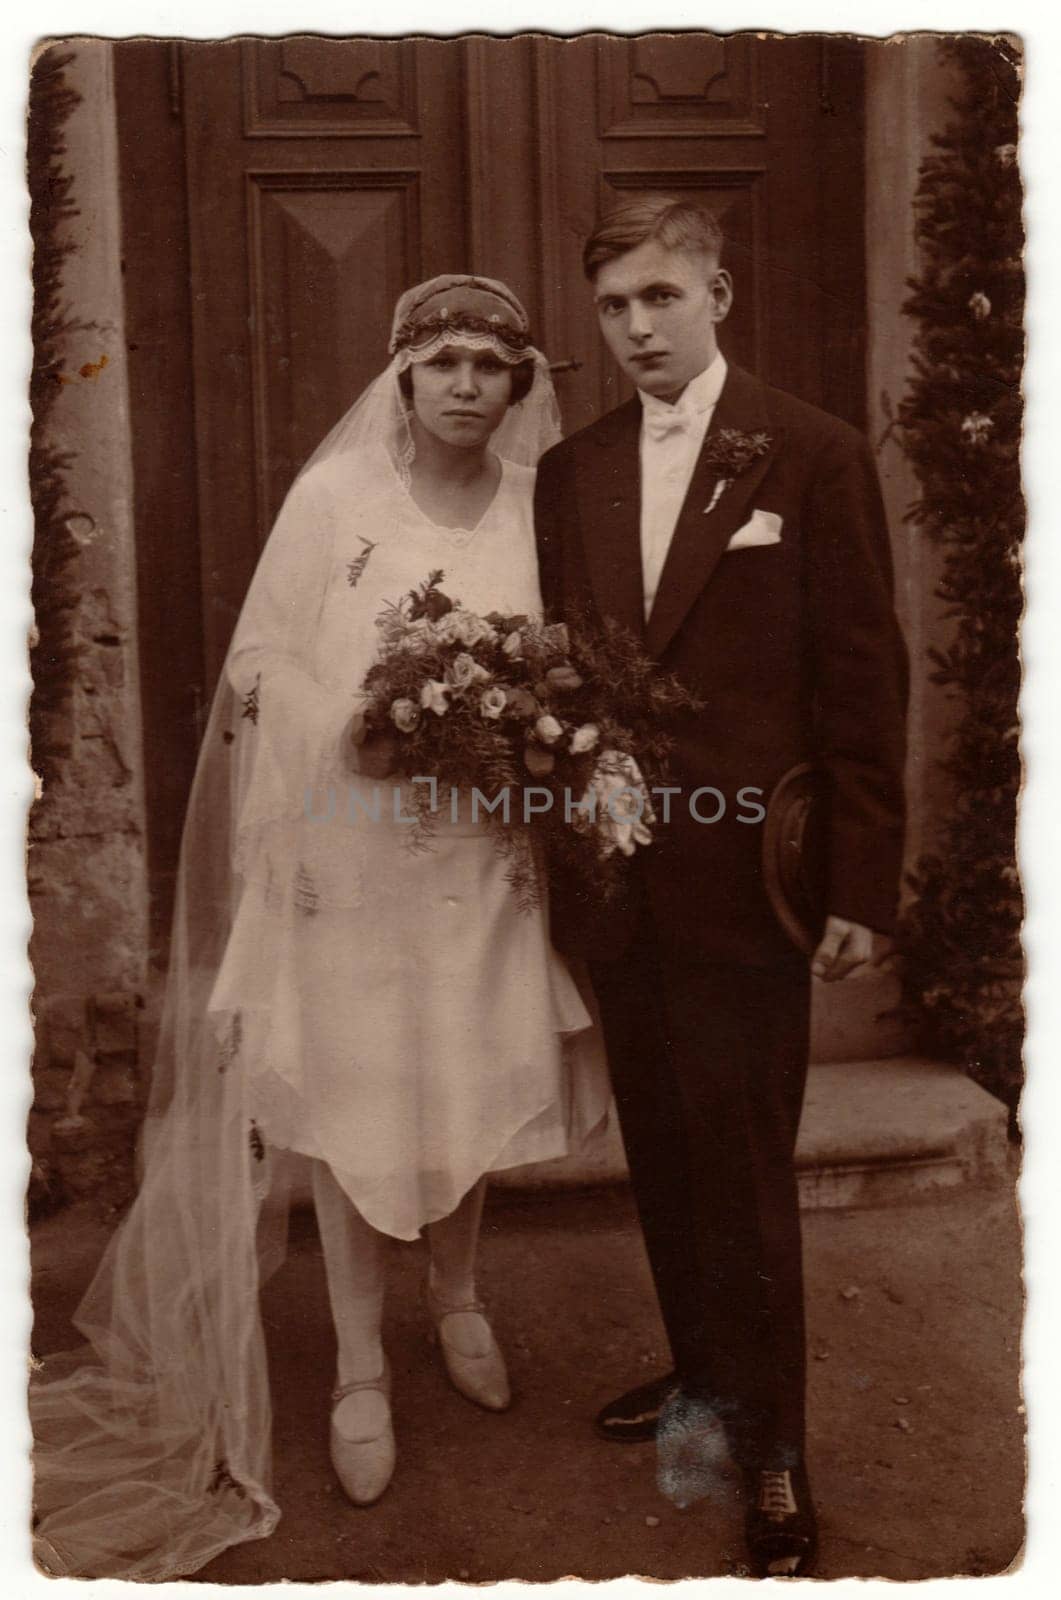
(699, 394)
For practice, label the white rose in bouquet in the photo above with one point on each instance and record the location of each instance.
(465, 670)
(434, 696)
(584, 738)
(405, 714)
(445, 630)
(463, 627)
(476, 630)
(492, 703)
(419, 635)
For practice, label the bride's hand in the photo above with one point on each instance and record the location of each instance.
(371, 755)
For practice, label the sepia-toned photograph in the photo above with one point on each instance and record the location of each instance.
(526, 952)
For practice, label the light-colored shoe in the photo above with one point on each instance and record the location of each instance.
(364, 1463)
(480, 1378)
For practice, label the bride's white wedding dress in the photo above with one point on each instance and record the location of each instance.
(413, 1028)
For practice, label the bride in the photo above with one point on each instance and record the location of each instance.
(389, 1013)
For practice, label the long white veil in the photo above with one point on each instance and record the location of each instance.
(153, 1446)
(153, 1449)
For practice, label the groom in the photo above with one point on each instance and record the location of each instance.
(740, 533)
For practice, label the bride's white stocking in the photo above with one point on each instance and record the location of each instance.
(453, 1243)
(353, 1260)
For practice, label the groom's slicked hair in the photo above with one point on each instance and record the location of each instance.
(676, 224)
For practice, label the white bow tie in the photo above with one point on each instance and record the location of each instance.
(661, 422)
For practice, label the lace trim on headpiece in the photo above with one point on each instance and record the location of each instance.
(508, 344)
(450, 323)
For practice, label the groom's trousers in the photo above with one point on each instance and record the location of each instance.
(709, 1064)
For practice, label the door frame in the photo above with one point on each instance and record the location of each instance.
(158, 319)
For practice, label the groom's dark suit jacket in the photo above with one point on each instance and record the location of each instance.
(793, 648)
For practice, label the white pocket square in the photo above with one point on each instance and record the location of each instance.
(762, 527)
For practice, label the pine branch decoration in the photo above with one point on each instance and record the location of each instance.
(307, 895)
(252, 701)
(221, 1478)
(53, 656)
(230, 1044)
(355, 569)
(960, 425)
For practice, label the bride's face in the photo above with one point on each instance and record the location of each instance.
(461, 394)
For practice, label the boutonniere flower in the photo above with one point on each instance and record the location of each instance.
(731, 451)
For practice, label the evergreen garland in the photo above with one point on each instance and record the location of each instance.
(960, 424)
(54, 651)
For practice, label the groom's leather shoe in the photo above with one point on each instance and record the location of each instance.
(781, 1528)
(635, 1415)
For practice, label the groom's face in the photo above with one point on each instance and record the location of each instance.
(658, 311)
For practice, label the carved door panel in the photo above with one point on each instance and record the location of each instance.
(768, 134)
(324, 177)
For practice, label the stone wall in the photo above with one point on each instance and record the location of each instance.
(87, 875)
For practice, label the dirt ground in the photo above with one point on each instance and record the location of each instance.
(916, 1430)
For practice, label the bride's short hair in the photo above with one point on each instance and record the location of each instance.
(676, 224)
(522, 382)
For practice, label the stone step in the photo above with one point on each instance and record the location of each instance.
(873, 1132)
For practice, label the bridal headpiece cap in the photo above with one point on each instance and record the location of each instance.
(481, 312)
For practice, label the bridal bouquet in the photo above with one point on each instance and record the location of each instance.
(550, 735)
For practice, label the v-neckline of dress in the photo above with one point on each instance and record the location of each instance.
(458, 532)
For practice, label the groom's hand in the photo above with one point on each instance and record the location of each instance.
(845, 946)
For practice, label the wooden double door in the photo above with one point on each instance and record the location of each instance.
(279, 194)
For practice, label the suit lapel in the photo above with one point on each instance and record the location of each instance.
(608, 487)
(700, 539)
